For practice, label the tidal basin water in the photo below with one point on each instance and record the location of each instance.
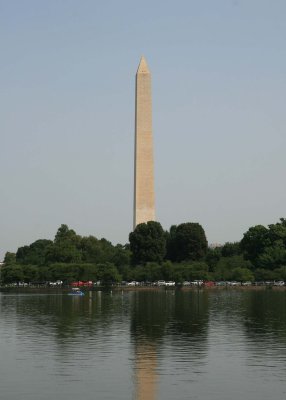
(159, 344)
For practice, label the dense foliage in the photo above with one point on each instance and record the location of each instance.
(147, 243)
(186, 242)
(180, 254)
(266, 247)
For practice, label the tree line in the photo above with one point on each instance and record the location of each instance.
(180, 254)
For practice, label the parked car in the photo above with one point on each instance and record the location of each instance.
(234, 283)
(221, 283)
(279, 283)
(197, 282)
(56, 283)
(133, 283)
(170, 283)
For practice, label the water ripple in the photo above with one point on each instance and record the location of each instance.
(211, 345)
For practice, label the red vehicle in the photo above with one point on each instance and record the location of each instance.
(82, 284)
(209, 284)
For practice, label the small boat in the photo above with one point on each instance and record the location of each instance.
(76, 292)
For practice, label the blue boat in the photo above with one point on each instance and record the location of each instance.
(76, 292)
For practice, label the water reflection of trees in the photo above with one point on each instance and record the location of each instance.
(150, 311)
(155, 315)
(190, 316)
(254, 320)
(265, 314)
(63, 317)
(263, 321)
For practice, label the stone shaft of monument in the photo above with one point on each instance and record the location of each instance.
(144, 198)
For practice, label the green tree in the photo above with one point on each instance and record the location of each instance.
(264, 275)
(107, 250)
(168, 271)
(254, 241)
(121, 255)
(107, 274)
(273, 256)
(231, 249)
(171, 253)
(226, 265)
(153, 271)
(194, 270)
(10, 258)
(148, 243)
(212, 257)
(90, 248)
(241, 275)
(66, 247)
(266, 247)
(277, 232)
(67, 272)
(187, 241)
(64, 233)
(12, 274)
(31, 273)
(102, 251)
(44, 274)
(35, 253)
(281, 273)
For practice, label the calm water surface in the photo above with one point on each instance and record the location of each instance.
(164, 344)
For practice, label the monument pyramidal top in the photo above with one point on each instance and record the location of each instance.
(143, 66)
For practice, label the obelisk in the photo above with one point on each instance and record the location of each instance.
(144, 199)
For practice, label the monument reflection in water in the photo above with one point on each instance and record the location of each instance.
(159, 314)
(162, 344)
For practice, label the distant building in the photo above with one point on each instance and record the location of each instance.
(215, 245)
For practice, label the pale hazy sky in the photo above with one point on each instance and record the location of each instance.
(67, 115)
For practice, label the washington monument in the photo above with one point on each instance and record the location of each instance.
(144, 199)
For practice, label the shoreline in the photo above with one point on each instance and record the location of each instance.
(64, 290)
